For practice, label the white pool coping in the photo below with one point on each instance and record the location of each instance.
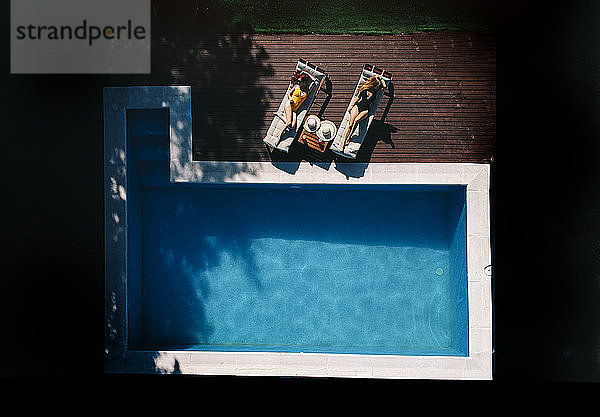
(118, 358)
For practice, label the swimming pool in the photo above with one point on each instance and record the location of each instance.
(306, 269)
(248, 269)
(292, 267)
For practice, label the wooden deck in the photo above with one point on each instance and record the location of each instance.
(443, 107)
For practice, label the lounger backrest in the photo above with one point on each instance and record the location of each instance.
(316, 72)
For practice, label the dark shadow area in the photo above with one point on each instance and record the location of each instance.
(303, 152)
(379, 131)
(389, 93)
(291, 167)
(351, 169)
(417, 219)
(546, 280)
(286, 161)
(200, 44)
(328, 90)
(176, 368)
(52, 318)
(218, 58)
(324, 164)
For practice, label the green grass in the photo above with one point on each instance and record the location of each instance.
(360, 16)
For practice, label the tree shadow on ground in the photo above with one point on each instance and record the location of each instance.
(181, 255)
(206, 49)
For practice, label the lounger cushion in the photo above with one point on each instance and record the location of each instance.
(277, 125)
(357, 137)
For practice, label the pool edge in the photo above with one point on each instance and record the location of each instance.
(118, 358)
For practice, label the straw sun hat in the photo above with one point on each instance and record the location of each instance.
(312, 123)
(327, 131)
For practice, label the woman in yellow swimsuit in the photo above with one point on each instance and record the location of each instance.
(296, 96)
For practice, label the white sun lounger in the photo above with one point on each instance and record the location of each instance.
(278, 123)
(357, 137)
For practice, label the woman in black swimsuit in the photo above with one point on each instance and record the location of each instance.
(360, 103)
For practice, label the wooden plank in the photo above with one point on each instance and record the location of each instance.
(444, 91)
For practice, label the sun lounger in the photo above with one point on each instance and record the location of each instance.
(360, 130)
(278, 124)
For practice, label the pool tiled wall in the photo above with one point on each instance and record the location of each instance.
(120, 356)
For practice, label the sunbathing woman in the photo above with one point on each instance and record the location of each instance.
(299, 88)
(360, 103)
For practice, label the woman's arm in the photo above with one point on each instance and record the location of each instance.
(384, 84)
(313, 81)
(291, 89)
(310, 75)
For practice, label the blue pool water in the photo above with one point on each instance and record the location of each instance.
(311, 268)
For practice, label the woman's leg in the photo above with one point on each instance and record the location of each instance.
(287, 108)
(360, 116)
(294, 119)
(357, 119)
(349, 128)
